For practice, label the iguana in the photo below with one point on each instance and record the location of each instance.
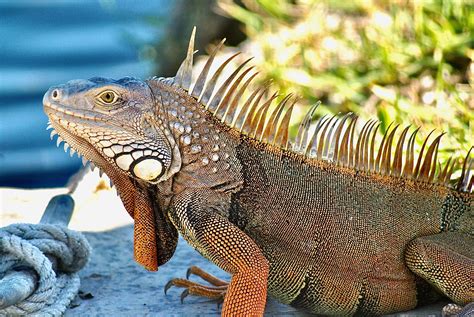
(333, 221)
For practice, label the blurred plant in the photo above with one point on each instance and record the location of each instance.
(408, 61)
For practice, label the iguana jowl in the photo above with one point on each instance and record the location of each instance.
(332, 221)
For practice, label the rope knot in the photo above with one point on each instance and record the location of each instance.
(55, 253)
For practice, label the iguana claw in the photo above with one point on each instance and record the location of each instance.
(184, 294)
(188, 273)
(168, 285)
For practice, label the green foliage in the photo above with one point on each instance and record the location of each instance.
(398, 60)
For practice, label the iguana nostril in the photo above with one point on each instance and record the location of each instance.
(55, 94)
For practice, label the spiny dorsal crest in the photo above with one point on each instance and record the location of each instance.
(331, 138)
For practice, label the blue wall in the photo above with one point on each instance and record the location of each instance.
(43, 43)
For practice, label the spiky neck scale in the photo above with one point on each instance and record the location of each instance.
(331, 139)
(207, 150)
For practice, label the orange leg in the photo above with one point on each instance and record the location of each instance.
(232, 250)
(224, 244)
(235, 252)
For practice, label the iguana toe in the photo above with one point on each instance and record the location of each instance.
(216, 292)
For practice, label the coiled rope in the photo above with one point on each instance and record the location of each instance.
(55, 253)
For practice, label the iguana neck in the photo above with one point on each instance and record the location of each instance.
(207, 147)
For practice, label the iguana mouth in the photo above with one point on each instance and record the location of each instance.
(72, 141)
(76, 145)
(65, 113)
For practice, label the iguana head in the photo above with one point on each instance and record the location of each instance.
(113, 123)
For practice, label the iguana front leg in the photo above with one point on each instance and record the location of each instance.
(200, 223)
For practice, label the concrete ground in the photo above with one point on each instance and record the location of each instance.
(120, 286)
(112, 284)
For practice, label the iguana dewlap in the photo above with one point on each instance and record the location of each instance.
(334, 221)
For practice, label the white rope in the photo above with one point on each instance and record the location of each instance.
(27, 245)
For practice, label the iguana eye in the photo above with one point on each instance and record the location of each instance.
(108, 97)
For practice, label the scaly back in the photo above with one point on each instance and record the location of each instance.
(331, 138)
